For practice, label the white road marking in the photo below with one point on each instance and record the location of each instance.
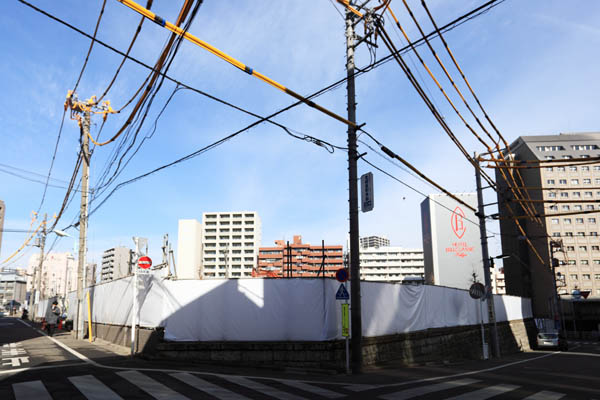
(31, 390)
(545, 395)
(150, 386)
(314, 389)
(485, 393)
(208, 387)
(359, 387)
(259, 387)
(93, 389)
(422, 390)
(15, 361)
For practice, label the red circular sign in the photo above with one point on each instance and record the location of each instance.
(341, 275)
(144, 262)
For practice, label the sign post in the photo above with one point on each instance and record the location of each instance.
(366, 191)
(142, 265)
(342, 294)
(477, 291)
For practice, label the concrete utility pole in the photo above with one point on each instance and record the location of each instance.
(85, 174)
(355, 313)
(37, 273)
(486, 264)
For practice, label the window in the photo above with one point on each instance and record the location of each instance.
(562, 181)
(573, 277)
(572, 168)
(584, 147)
(585, 168)
(211, 230)
(580, 234)
(571, 262)
(550, 148)
(596, 167)
(567, 157)
(550, 181)
(552, 194)
(595, 248)
(582, 248)
(560, 169)
(555, 234)
(570, 248)
(569, 234)
(587, 194)
(554, 221)
(567, 221)
(564, 194)
(585, 262)
(577, 195)
(597, 181)
(597, 276)
(587, 181)
(549, 157)
(586, 277)
(597, 262)
(549, 169)
(577, 207)
(579, 220)
(591, 220)
(593, 234)
(565, 208)
(574, 181)
(553, 208)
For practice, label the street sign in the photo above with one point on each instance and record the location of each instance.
(341, 275)
(477, 290)
(342, 293)
(345, 320)
(144, 262)
(366, 191)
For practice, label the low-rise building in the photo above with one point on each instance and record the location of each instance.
(298, 260)
(374, 241)
(13, 287)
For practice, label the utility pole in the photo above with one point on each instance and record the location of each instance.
(355, 305)
(85, 174)
(486, 263)
(37, 273)
(557, 244)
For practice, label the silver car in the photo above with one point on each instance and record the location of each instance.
(551, 340)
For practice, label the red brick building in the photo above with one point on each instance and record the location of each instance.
(298, 260)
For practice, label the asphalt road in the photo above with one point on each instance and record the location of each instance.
(34, 366)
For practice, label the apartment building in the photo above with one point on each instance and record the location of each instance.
(569, 189)
(229, 244)
(12, 287)
(116, 263)
(374, 241)
(498, 281)
(299, 260)
(391, 264)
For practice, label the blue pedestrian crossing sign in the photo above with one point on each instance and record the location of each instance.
(342, 293)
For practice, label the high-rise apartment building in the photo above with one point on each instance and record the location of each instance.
(299, 260)
(566, 193)
(229, 244)
(391, 264)
(374, 241)
(116, 263)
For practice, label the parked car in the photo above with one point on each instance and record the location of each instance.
(551, 340)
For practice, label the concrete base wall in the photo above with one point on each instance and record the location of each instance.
(442, 344)
(146, 339)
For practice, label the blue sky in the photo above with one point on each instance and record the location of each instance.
(533, 65)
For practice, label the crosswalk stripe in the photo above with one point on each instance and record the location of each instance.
(259, 387)
(421, 390)
(545, 395)
(150, 386)
(314, 389)
(93, 389)
(359, 387)
(485, 393)
(31, 390)
(208, 387)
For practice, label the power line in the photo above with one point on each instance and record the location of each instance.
(52, 162)
(87, 57)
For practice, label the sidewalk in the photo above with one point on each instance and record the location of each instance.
(109, 354)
